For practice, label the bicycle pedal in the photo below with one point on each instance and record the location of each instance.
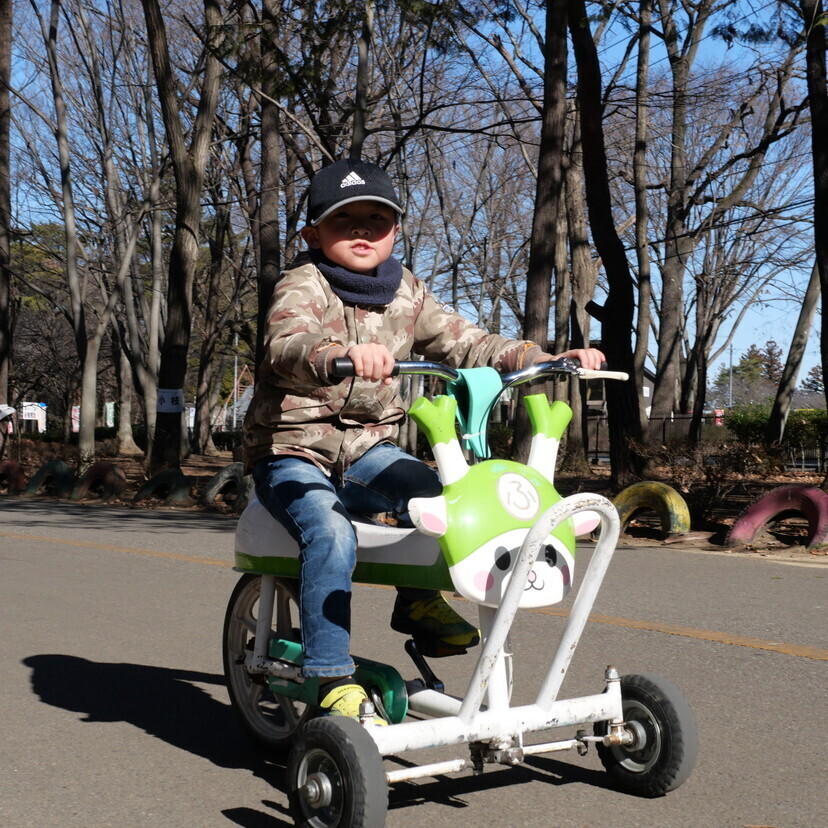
(431, 681)
(434, 648)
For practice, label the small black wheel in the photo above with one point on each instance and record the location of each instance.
(336, 776)
(269, 719)
(666, 738)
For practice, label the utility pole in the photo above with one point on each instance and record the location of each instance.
(235, 378)
(730, 392)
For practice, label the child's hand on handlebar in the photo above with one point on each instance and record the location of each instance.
(590, 358)
(372, 361)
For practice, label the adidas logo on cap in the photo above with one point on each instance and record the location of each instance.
(350, 180)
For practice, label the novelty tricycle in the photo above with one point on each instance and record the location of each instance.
(500, 536)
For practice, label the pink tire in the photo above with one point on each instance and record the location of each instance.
(12, 473)
(100, 478)
(809, 501)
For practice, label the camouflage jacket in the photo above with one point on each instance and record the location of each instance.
(298, 409)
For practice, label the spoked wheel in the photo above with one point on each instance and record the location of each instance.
(666, 740)
(336, 776)
(271, 720)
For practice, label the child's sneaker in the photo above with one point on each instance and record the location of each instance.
(345, 700)
(434, 625)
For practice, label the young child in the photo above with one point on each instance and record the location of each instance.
(319, 447)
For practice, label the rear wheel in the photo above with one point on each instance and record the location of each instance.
(271, 720)
(665, 744)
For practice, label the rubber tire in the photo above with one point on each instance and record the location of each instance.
(271, 721)
(170, 484)
(807, 500)
(53, 477)
(668, 757)
(340, 750)
(661, 498)
(110, 478)
(229, 480)
(12, 473)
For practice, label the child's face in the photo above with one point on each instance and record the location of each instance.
(359, 235)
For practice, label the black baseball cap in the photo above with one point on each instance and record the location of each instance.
(346, 181)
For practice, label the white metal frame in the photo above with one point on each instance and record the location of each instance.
(454, 720)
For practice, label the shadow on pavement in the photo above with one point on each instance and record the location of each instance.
(165, 704)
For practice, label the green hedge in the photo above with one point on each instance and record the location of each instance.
(804, 427)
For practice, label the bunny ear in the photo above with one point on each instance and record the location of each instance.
(548, 425)
(436, 419)
(585, 522)
(429, 515)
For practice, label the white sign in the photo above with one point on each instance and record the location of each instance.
(170, 401)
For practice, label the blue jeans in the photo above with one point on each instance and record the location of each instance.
(314, 509)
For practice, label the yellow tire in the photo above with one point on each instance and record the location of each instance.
(664, 500)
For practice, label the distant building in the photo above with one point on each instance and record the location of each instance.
(32, 417)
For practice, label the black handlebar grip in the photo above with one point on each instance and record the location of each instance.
(342, 367)
(577, 363)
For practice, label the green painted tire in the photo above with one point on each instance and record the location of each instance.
(230, 484)
(170, 484)
(53, 478)
(658, 497)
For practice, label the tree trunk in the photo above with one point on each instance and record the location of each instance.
(270, 253)
(813, 15)
(203, 433)
(617, 314)
(548, 202)
(642, 247)
(362, 84)
(5, 209)
(126, 390)
(790, 373)
(188, 167)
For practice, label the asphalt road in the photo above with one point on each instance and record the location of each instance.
(113, 710)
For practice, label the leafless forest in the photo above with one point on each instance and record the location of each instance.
(637, 174)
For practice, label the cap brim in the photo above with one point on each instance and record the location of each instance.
(395, 207)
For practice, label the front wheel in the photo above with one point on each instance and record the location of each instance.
(336, 777)
(666, 740)
(271, 720)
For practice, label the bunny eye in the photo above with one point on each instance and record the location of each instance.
(503, 559)
(551, 554)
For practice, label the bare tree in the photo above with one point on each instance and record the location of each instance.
(787, 383)
(5, 206)
(814, 18)
(188, 164)
(548, 201)
(616, 316)
(702, 174)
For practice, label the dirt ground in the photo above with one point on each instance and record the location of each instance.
(784, 540)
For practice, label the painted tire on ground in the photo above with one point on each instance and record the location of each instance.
(662, 499)
(12, 473)
(232, 484)
(101, 478)
(171, 485)
(53, 478)
(809, 501)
